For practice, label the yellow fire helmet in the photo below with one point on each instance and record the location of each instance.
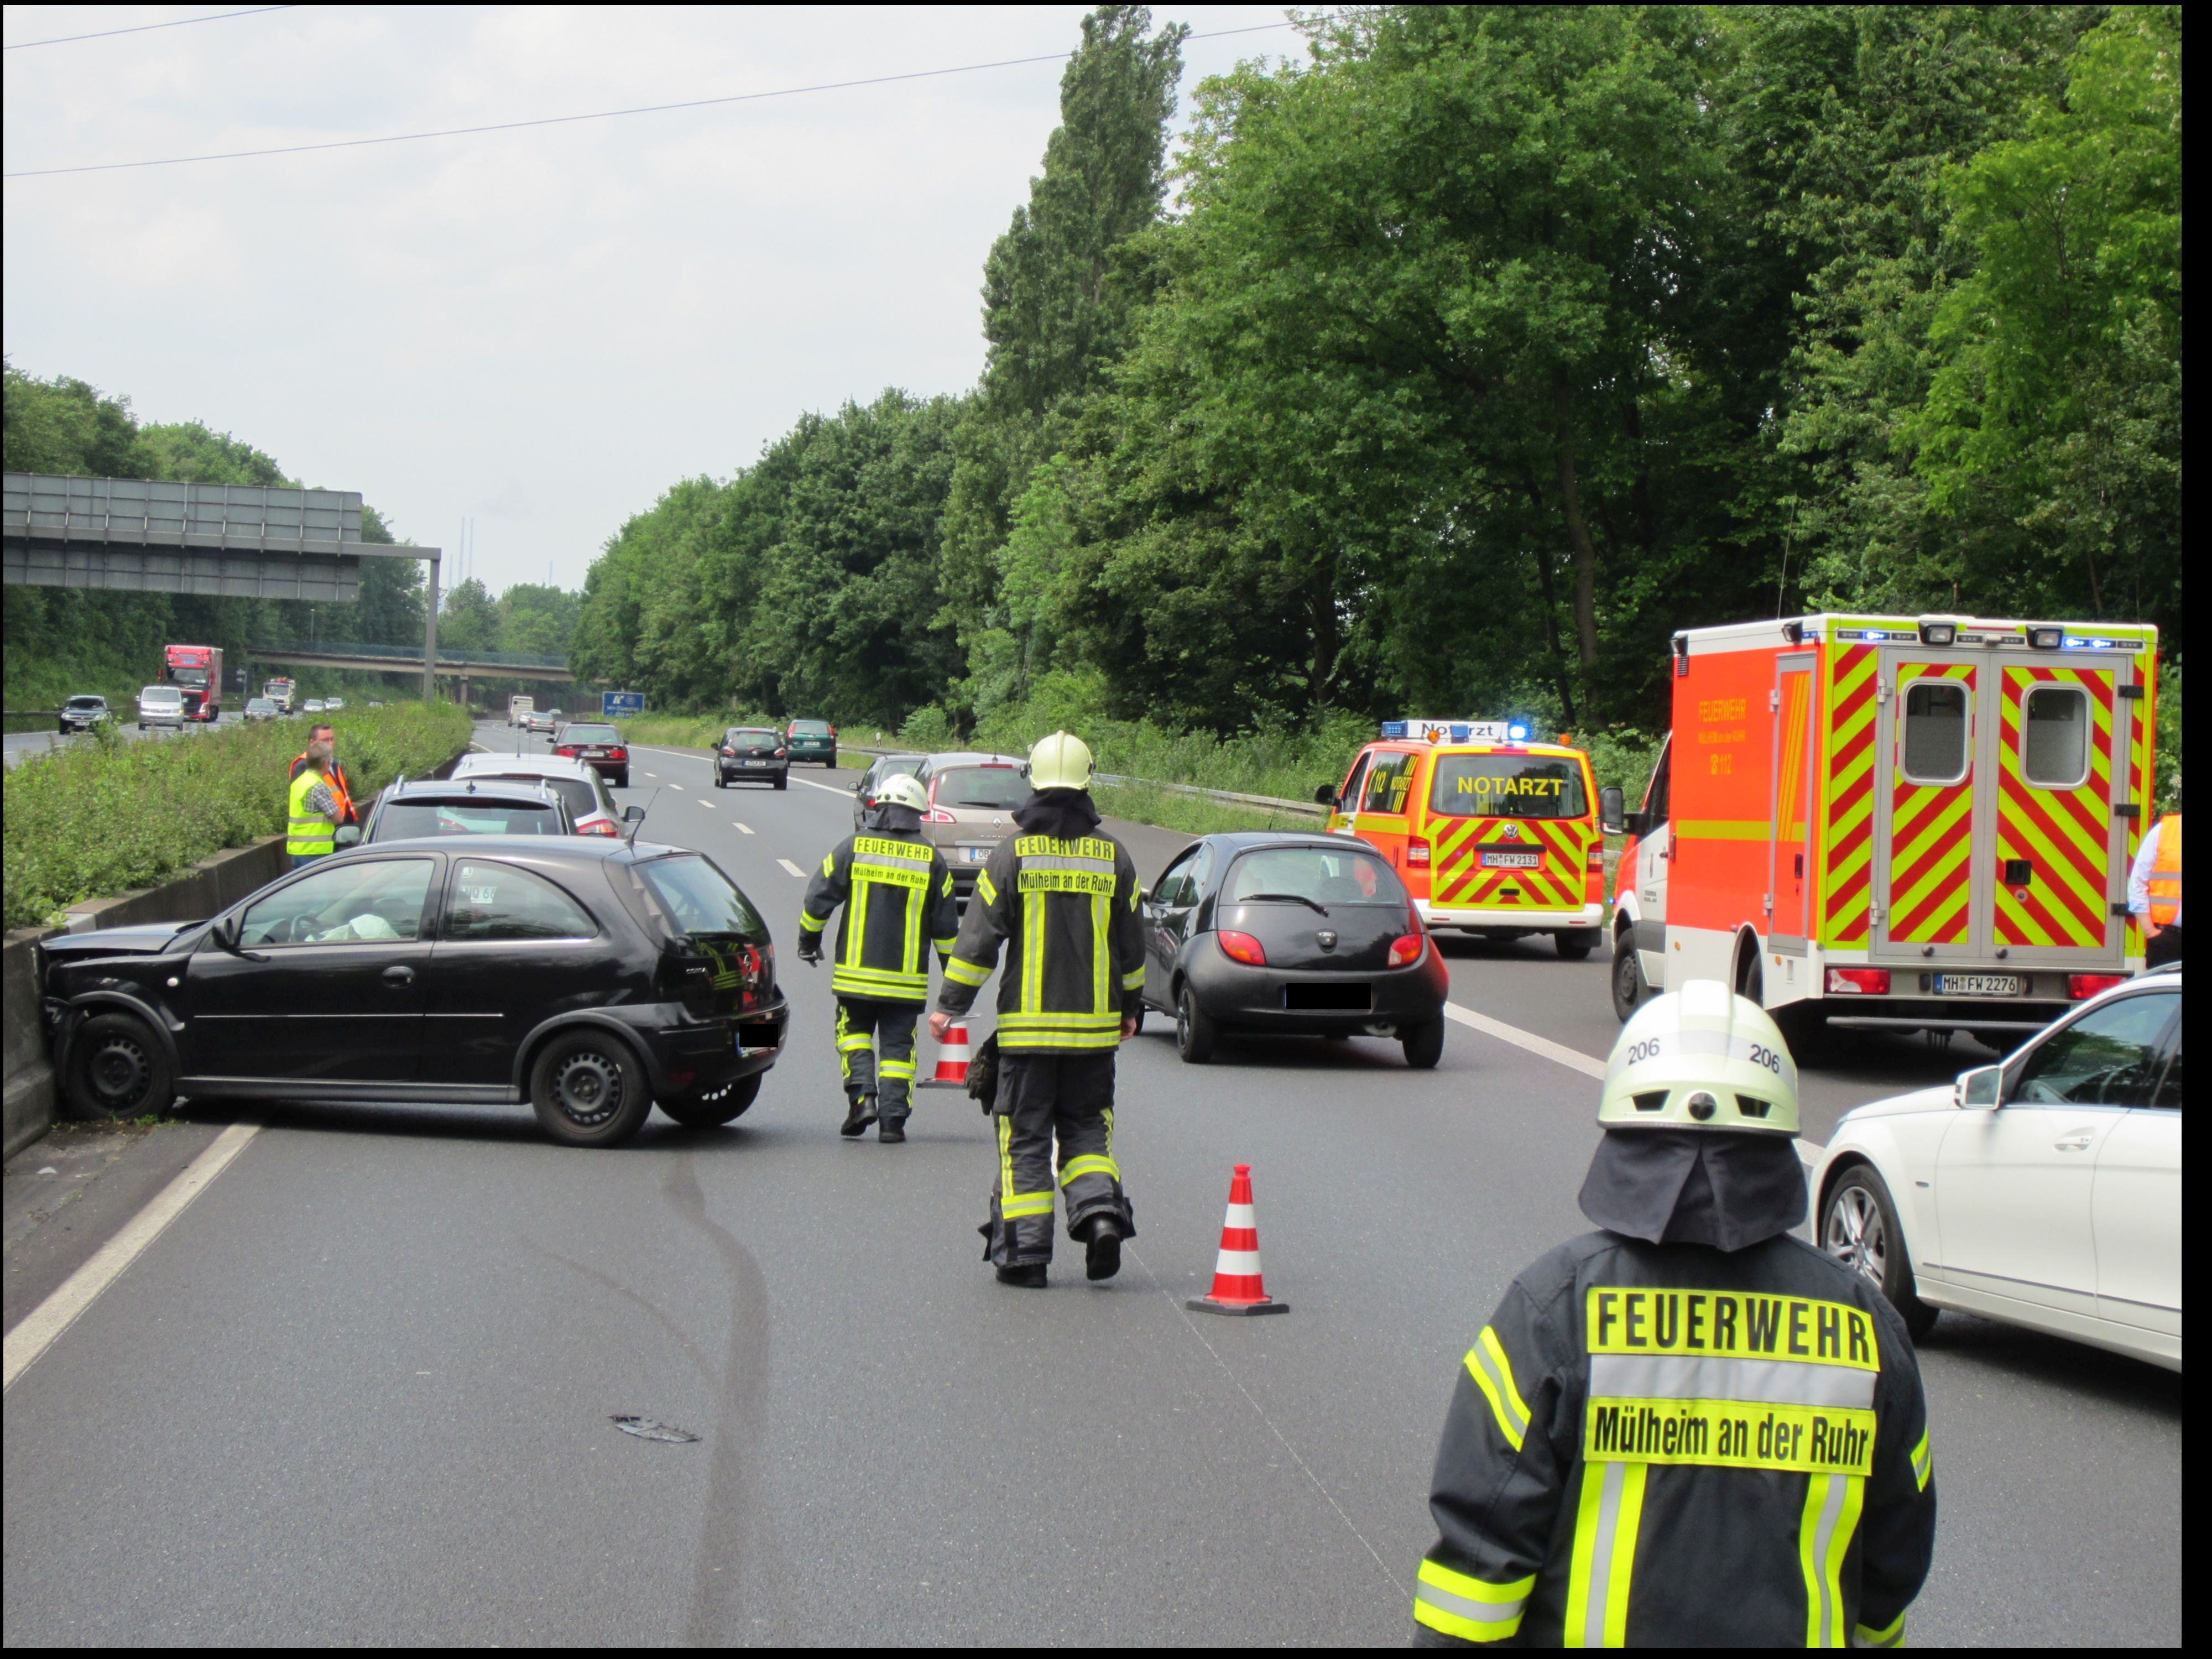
(903, 789)
(1061, 762)
(1701, 1058)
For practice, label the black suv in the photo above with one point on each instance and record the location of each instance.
(593, 978)
(754, 753)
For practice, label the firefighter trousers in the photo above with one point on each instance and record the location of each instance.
(1044, 1097)
(863, 1024)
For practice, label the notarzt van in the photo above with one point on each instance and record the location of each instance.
(1898, 822)
(1491, 834)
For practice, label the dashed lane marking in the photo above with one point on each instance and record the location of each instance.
(792, 868)
(44, 1323)
(743, 829)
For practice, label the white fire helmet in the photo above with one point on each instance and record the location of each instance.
(1701, 1058)
(1059, 761)
(903, 789)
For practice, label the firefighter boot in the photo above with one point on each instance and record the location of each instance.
(1102, 1256)
(862, 1114)
(893, 1106)
(1030, 1276)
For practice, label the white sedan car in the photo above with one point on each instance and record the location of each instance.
(2045, 1190)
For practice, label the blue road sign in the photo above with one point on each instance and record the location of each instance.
(621, 705)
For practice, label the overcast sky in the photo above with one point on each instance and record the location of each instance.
(538, 329)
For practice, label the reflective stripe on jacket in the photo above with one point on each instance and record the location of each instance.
(308, 830)
(1664, 1444)
(2166, 872)
(898, 899)
(1066, 913)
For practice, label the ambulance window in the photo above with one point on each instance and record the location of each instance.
(2054, 739)
(1348, 799)
(1934, 742)
(1654, 794)
(1388, 780)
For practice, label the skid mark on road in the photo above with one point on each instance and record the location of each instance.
(1191, 1325)
(684, 1340)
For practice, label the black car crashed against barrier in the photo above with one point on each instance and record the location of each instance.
(593, 979)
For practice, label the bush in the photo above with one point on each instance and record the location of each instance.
(105, 815)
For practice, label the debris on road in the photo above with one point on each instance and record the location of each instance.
(645, 1429)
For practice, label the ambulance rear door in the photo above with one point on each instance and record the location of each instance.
(1789, 814)
(1933, 805)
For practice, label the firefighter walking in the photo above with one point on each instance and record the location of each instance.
(1061, 897)
(896, 892)
(1687, 1427)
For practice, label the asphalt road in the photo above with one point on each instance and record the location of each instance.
(360, 1391)
(22, 744)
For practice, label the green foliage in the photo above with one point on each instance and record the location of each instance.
(103, 816)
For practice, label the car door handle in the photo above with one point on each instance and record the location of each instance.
(2078, 1142)
(398, 975)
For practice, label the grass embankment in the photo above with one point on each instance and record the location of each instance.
(103, 815)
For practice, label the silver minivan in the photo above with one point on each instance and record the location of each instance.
(972, 798)
(160, 705)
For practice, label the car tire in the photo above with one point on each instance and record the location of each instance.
(1859, 1230)
(1195, 1031)
(622, 782)
(119, 1069)
(589, 1089)
(1424, 1045)
(726, 1108)
(1575, 944)
(783, 781)
(1629, 985)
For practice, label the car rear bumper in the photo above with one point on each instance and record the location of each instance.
(1255, 998)
(1445, 916)
(713, 1052)
(736, 769)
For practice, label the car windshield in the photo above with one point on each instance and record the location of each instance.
(1313, 875)
(87, 703)
(402, 820)
(810, 728)
(1002, 788)
(582, 733)
(161, 694)
(698, 899)
(1507, 786)
(580, 795)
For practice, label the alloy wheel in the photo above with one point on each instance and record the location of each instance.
(1856, 1235)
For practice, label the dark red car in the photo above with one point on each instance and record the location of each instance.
(600, 747)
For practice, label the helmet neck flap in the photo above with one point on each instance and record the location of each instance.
(1729, 1190)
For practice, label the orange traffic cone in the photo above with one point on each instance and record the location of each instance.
(1236, 1284)
(951, 1059)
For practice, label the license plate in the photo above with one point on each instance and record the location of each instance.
(1975, 984)
(1494, 860)
(975, 854)
(753, 763)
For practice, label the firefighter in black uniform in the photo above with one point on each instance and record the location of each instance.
(1062, 896)
(1689, 1428)
(897, 893)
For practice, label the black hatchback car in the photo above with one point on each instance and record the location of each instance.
(593, 979)
(1291, 934)
(752, 753)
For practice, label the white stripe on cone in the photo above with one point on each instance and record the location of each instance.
(1241, 1215)
(1238, 1264)
(952, 1056)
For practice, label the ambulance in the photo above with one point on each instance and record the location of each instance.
(1491, 834)
(1892, 823)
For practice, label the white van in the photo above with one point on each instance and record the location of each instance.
(519, 710)
(160, 705)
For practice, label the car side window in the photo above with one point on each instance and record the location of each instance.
(354, 903)
(1174, 888)
(1388, 780)
(500, 901)
(1348, 799)
(2169, 1086)
(2111, 1056)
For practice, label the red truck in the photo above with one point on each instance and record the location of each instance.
(196, 671)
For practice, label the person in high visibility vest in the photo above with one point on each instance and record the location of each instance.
(313, 827)
(334, 773)
(1687, 1428)
(2154, 886)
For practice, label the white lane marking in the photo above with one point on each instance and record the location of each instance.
(833, 788)
(1574, 1057)
(743, 829)
(793, 868)
(46, 1321)
(675, 786)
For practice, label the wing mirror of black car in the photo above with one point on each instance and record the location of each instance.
(1326, 795)
(1981, 1090)
(226, 934)
(1611, 811)
(349, 835)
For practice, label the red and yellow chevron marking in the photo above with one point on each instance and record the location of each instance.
(1848, 863)
(2142, 781)
(1930, 834)
(1557, 884)
(2063, 834)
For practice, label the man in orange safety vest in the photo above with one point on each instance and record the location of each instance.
(2154, 887)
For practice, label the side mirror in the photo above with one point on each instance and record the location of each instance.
(349, 835)
(856, 787)
(632, 815)
(1326, 795)
(1981, 1090)
(1611, 811)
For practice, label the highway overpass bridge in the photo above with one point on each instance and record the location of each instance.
(463, 666)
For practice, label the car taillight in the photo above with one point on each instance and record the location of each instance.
(780, 753)
(1596, 860)
(681, 1080)
(568, 749)
(619, 754)
(2081, 986)
(1406, 949)
(730, 751)
(1243, 947)
(1417, 853)
(1858, 982)
(598, 827)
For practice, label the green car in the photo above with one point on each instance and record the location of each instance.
(811, 740)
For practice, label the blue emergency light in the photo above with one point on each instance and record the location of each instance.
(1518, 733)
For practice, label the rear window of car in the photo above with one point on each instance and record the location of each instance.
(695, 897)
(1001, 787)
(1324, 875)
(810, 728)
(582, 796)
(1507, 786)
(752, 737)
(402, 820)
(579, 732)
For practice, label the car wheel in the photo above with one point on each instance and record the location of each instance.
(589, 1090)
(726, 1106)
(1195, 1031)
(1858, 1228)
(622, 782)
(783, 781)
(1575, 942)
(119, 1069)
(1629, 989)
(1424, 1045)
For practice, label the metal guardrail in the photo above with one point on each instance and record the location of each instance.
(447, 656)
(1115, 780)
